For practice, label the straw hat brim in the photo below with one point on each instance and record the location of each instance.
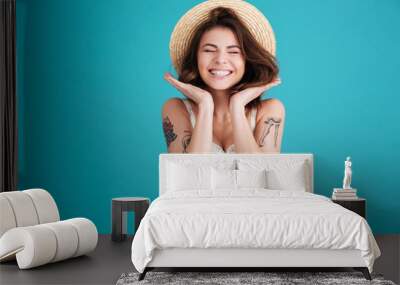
(254, 20)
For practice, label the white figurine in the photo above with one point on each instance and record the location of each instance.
(347, 174)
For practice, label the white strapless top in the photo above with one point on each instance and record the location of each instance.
(216, 148)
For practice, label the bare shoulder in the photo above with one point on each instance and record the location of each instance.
(174, 107)
(271, 105)
(172, 104)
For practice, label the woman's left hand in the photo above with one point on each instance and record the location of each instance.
(242, 98)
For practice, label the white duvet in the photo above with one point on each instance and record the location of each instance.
(250, 218)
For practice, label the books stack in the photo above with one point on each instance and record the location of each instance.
(344, 194)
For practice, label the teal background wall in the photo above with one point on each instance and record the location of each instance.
(90, 92)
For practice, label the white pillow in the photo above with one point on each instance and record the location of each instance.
(236, 179)
(187, 177)
(223, 179)
(281, 174)
(287, 179)
(251, 178)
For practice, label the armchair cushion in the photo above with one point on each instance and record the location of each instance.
(31, 232)
(40, 244)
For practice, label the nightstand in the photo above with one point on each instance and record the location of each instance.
(120, 207)
(357, 205)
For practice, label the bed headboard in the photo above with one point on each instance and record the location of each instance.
(224, 160)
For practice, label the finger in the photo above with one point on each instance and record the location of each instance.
(168, 77)
(185, 88)
(176, 83)
(275, 82)
(271, 84)
(278, 81)
(264, 87)
(172, 79)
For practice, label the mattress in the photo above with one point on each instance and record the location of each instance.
(250, 218)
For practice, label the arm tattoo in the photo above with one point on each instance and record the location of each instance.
(269, 123)
(168, 128)
(186, 140)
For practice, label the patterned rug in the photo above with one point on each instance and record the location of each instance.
(270, 278)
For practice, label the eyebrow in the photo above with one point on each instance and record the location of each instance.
(214, 46)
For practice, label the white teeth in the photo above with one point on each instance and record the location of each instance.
(220, 72)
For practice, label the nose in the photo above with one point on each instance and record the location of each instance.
(220, 58)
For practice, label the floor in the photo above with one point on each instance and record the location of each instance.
(389, 262)
(103, 266)
(111, 259)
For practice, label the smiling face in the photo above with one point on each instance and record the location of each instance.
(219, 58)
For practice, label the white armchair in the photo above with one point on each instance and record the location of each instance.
(31, 230)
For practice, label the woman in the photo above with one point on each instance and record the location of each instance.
(223, 71)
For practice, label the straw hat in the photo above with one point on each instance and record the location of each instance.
(255, 21)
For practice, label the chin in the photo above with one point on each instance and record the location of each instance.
(220, 86)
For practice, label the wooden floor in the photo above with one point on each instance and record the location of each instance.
(111, 259)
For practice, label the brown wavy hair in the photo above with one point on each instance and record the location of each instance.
(260, 65)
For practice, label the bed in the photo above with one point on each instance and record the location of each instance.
(247, 210)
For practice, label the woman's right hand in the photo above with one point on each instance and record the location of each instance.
(200, 96)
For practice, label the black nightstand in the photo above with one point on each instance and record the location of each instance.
(357, 205)
(120, 207)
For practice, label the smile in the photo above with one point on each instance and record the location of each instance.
(219, 73)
